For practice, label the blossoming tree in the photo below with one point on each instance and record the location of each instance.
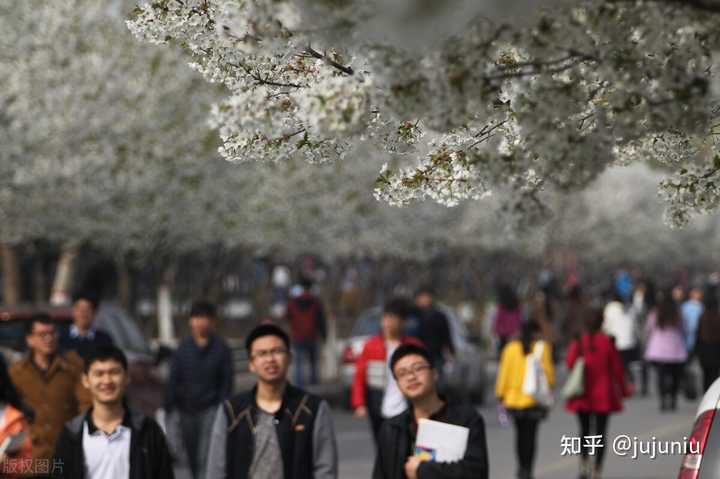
(461, 96)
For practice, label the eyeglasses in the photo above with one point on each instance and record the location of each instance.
(267, 353)
(46, 335)
(414, 369)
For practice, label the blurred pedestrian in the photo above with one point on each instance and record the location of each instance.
(111, 440)
(435, 331)
(643, 302)
(201, 377)
(275, 430)
(708, 341)
(14, 417)
(375, 393)
(620, 322)
(525, 410)
(604, 388)
(50, 383)
(83, 337)
(666, 349)
(306, 317)
(576, 312)
(508, 316)
(623, 286)
(540, 314)
(396, 458)
(690, 311)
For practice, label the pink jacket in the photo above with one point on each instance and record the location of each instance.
(664, 345)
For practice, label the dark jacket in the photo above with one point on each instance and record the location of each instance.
(149, 455)
(395, 445)
(200, 378)
(435, 331)
(304, 430)
(85, 346)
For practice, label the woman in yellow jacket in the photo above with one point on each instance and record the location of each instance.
(523, 408)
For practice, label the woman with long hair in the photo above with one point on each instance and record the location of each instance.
(524, 409)
(666, 348)
(707, 345)
(603, 391)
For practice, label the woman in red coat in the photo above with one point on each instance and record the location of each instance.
(604, 388)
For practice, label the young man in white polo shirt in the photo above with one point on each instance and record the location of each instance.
(111, 440)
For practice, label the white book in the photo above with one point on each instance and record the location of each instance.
(440, 441)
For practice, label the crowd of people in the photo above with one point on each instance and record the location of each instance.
(64, 410)
(633, 328)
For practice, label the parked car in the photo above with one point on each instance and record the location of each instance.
(467, 375)
(147, 369)
(702, 460)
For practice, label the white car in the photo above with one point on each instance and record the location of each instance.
(467, 376)
(702, 460)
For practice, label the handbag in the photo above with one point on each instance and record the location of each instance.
(535, 382)
(575, 384)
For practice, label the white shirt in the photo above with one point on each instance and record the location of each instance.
(393, 402)
(107, 456)
(621, 324)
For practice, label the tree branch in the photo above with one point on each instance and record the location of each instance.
(316, 54)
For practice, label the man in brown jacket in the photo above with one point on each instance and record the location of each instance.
(50, 383)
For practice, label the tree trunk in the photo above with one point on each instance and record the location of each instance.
(166, 326)
(12, 287)
(62, 283)
(125, 284)
(40, 282)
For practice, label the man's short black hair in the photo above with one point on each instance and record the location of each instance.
(406, 350)
(266, 330)
(42, 318)
(399, 307)
(203, 308)
(106, 353)
(86, 296)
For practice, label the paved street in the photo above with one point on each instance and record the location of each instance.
(641, 418)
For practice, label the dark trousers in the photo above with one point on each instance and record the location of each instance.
(309, 350)
(195, 429)
(525, 443)
(709, 357)
(644, 377)
(628, 356)
(593, 424)
(668, 375)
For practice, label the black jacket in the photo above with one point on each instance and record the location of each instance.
(395, 445)
(149, 456)
(200, 378)
(295, 423)
(85, 347)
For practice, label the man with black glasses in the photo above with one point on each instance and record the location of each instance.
(417, 378)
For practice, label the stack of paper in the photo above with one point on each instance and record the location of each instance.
(441, 442)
